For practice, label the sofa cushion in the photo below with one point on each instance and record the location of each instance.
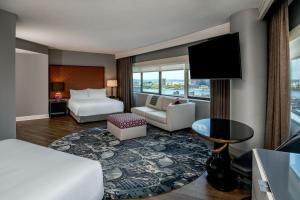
(159, 116)
(148, 99)
(151, 99)
(165, 101)
(154, 100)
(142, 110)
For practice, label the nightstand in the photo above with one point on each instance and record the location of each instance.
(57, 107)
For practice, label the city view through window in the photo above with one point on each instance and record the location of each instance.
(150, 82)
(171, 83)
(137, 82)
(295, 84)
(295, 87)
(199, 88)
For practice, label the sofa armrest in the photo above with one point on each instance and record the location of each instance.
(181, 115)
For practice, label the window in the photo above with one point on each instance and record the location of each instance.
(170, 77)
(295, 83)
(172, 83)
(295, 95)
(199, 88)
(151, 82)
(137, 82)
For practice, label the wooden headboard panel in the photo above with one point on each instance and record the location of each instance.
(76, 77)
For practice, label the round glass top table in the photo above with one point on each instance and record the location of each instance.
(221, 132)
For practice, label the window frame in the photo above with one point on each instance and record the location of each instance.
(184, 89)
(294, 116)
(188, 89)
(142, 83)
(294, 35)
(186, 85)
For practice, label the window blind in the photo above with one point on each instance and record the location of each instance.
(176, 63)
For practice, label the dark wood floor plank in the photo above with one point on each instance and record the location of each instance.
(46, 131)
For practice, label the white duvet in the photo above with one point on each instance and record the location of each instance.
(95, 106)
(32, 172)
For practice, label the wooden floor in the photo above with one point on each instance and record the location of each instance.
(45, 131)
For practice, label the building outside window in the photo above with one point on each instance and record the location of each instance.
(295, 83)
(150, 82)
(137, 82)
(199, 88)
(170, 78)
(295, 94)
(172, 83)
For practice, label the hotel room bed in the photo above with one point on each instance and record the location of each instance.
(92, 105)
(32, 172)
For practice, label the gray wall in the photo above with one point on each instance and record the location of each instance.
(61, 57)
(7, 75)
(165, 53)
(202, 107)
(248, 96)
(31, 46)
(31, 84)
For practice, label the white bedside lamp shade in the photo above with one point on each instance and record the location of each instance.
(112, 83)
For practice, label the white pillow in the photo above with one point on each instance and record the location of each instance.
(79, 94)
(97, 93)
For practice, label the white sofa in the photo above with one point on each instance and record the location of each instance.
(166, 115)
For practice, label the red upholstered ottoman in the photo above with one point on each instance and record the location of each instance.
(127, 125)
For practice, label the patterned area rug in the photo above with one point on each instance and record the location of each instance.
(140, 167)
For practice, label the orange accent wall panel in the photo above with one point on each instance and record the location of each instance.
(76, 77)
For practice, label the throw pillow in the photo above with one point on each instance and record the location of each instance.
(153, 100)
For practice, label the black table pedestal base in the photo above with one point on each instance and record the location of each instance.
(224, 185)
(221, 132)
(219, 172)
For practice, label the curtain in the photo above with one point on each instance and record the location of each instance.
(278, 97)
(124, 76)
(220, 99)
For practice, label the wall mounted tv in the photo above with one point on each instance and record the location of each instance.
(217, 58)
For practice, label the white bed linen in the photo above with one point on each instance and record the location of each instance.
(95, 106)
(32, 172)
(79, 94)
(96, 93)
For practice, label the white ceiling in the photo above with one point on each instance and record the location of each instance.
(111, 26)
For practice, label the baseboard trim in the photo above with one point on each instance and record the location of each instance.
(32, 117)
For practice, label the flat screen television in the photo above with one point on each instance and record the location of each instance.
(217, 58)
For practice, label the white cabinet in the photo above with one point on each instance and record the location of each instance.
(275, 175)
(260, 185)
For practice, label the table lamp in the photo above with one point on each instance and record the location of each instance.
(58, 87)
(112, 84)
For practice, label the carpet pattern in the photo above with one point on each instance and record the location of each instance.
(140, 167)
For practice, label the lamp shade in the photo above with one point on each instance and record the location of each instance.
(112, 83)
(57, 86)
